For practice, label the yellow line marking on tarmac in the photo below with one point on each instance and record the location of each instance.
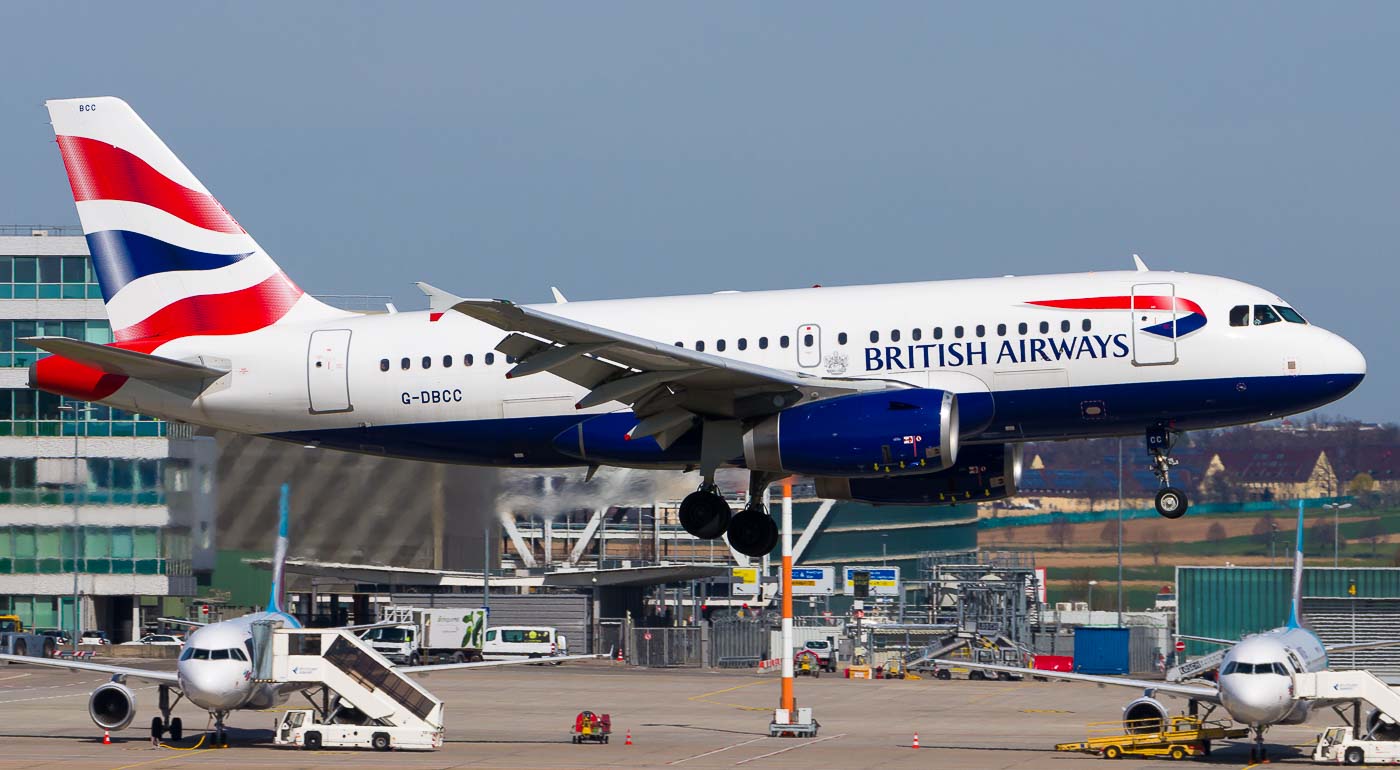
(184, 755)
(716, 751)
(789, 748)
(703, 697)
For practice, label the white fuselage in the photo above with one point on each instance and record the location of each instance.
(1256, 684)
(215, 668)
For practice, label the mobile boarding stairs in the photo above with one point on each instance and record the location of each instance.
(1355, 686)
(329, 662)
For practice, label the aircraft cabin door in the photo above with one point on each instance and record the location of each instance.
(327, 371)
(1154, 324)
(809, 346)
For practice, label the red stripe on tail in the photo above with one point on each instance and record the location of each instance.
(99, 171)
(237, 312)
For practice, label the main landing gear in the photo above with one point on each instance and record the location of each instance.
(164, 724)
(752, 532)
(1171, 502)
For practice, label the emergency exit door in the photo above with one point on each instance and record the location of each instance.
(1154, 324)
(328, 372)
(809, 345)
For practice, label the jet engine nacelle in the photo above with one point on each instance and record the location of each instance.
(112, 706)
(1380, 727)
(982, 472)
(891, 432)
(1144, 715)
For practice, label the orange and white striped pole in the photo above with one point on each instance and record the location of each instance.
(786, 700)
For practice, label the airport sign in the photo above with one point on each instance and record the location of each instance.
(882, 581)
(813, 581)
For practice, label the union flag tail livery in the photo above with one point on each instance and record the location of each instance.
(171, 261)
(909, 393)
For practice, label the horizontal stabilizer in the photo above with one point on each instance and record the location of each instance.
(129, 363)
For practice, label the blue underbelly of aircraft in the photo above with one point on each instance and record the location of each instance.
(1021, 415)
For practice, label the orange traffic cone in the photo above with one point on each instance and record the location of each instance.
(916, 740)
(106, 738)
(629, 737)
(619, 654)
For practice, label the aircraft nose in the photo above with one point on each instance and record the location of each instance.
(210, 686)
(1256, 700)
(1349, 359)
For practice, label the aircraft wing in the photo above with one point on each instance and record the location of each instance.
(1371, 645)
(163, 677)
(1209, 639)
(128, 363)
(491, 663)
(1199, 692)
(183, 622)
(666, 386)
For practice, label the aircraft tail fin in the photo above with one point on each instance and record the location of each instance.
(1295, 607)
(279, 555)
(171, 261)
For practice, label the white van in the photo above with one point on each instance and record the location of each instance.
(530, 641)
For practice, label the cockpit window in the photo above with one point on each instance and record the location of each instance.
(1263, 314)
(187, 654)
(1280, 670)
(1253, 668)
(1289, 314)
(237, 654)
(200, 654)
(1230, 668)
(1239, 315)
(218, 654)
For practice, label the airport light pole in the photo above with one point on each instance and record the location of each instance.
(1336, 529)
(786, 699)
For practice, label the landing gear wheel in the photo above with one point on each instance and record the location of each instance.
(753, 532)
(1171, 502)
(704, 514)
(177, 729)
(157, 728)
(1112, 752)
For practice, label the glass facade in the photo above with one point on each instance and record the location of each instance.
(25, 412)
(106, 481)
(18, 354)
(29, 550)
(48, 278)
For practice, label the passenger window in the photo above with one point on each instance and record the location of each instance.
(783, 341)
(218, 654)
(841, 338)
(1239, 315)
(1001, 330)
(719, 346)
(1064, 326)
(489, 359)
(957, 332)
(743, 343)
(383, 364)
(938, 332)
(510, 359)
(1289, 314)
(404, 364)
(700, 345)
(427, 362)
(680, 344)
(917, 333)
(981, 330)
(1021, 328)
(894, 336)
(874, 337)
(447, 362)
(1264, 315)
(467, 360)
(762, 343)
(1086, 325)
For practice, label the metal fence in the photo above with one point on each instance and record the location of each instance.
(738, 642)
(666, 647)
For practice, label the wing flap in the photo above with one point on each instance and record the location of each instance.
(129, 363)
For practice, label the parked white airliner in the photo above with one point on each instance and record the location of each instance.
(1255, 683)
(915, 393)
(215, 668)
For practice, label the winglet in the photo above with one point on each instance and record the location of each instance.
(279, 555)
(439, 301)
(1294, 613)
(1141, 266)
(559, 297)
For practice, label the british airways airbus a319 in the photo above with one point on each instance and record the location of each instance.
(913, 393)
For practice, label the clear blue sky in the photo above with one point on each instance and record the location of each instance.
(657, 148)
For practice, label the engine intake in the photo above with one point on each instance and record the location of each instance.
(982, 472)
(867, 434)
(112, 706)
(1144, 715)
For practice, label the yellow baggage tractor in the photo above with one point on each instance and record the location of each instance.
(1177, 737)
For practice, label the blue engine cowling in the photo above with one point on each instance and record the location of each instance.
(982, 472)
(891, 432)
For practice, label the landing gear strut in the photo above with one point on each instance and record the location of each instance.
(220, 734)
(1171, 502)
(162, 724)
(1257, 752)
(752, 531)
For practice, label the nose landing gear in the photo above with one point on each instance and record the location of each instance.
(1171, 502)
(1257, 752)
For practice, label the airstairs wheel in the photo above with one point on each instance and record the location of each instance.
(1355, 756)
